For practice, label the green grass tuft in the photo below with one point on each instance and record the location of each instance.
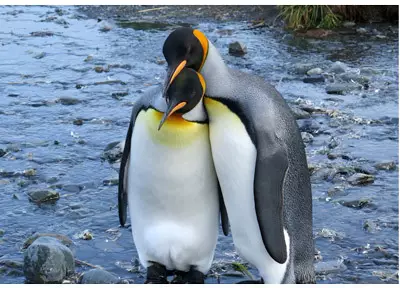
(309, 16)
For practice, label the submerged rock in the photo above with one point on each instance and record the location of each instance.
(371, 226)
(299, 113)
(77, 122)
(2, 152)
(47, 261)
(42, 196)
(356, 203)
(11, 267)
(307, 137)
(387, 165)
(338, 67)
(42, 34)
(341, 88)
(314, 79)
(360, 179)
(314, 71)
(68, 101)
(329, 267)
(119, 94)
(237, 49)
(98, 276)
(349, 77)
(302, 68)
(113, 151)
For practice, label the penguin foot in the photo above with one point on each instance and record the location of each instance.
(193, 276)
(261, 281)
(156, 274)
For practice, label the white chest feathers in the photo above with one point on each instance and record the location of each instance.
(172, 192)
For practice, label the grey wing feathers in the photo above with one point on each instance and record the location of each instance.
(271, 167)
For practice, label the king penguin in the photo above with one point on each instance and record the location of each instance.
(259, 158)
(168, 181)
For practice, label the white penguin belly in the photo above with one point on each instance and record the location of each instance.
(234, 157)
(172, 193)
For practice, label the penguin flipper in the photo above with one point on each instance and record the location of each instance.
(223, 212)
(270, 172)
(122, 183)
(123, 170)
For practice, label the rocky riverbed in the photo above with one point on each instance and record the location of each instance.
(68, 78)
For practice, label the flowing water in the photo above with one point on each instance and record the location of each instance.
(49, 82)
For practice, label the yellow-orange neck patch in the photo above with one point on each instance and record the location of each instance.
(204, 43)
(176, 131)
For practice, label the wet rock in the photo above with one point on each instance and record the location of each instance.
(360, 179)
(237, 49)
(88, 58)
(110, 182)
(2, 152)
(341, 88)
(307, 137)
(299, 113)
(119, 94)
(47, 261)
(314, 79)
(74, 188)
(113, 151)
(348, 24)
(371, 226)
(42, 34)
(2, 232)
(349, 77)
(336, 191)
(356, 203)
(42, 196)
(68, 101)
(29, 172)
(59, 11)
(84, 235)
(98, 276)
(302, 68)
(309, 125)
(329, 267)
(338, 67)
(11, 267)
(365, 169)
(105, 28)
(387, 165)
(13, 95)
(361, 30)
(77, 122)
(330, 234)
(40, 55)
(317, 254)
(99, 69)
(314, 71)
(325, 173)
(60, 237)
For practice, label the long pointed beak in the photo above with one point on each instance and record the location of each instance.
(170, 110)
(172, 73)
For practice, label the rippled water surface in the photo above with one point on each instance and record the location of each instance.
(42, 72)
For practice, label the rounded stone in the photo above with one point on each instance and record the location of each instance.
(47, 261)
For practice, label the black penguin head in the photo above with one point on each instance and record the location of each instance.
(184, 93)
(184, 47)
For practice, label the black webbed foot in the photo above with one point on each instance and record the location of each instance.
(156, 274)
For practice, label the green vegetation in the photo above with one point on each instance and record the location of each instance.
(309, 16)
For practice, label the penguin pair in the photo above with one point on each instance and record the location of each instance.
(259, 160)
(168, 180)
